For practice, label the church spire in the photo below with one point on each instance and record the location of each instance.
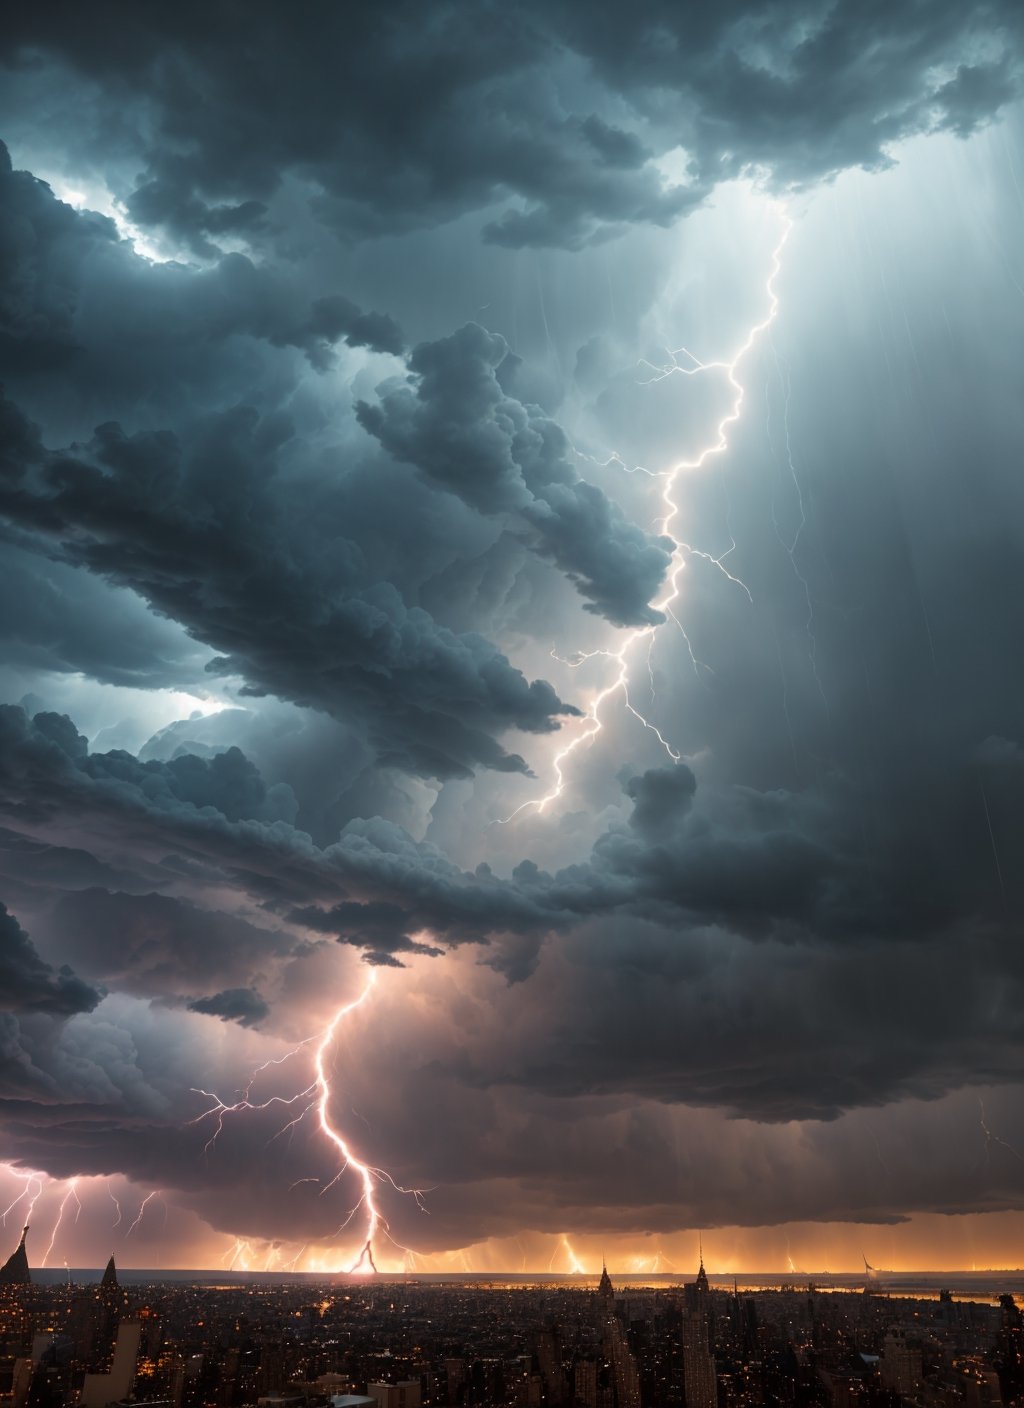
(109, 1281)
(14, 1271)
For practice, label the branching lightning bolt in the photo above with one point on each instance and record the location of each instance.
(26, 1192)
(991, 1138)
(72, 1192)
(317, 1096)
(690, 366)
(142, 1210)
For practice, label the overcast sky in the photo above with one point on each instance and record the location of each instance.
(396, 398)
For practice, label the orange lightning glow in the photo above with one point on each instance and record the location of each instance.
(575, 1266)
(592, 724)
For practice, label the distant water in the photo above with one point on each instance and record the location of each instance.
(978, 1285)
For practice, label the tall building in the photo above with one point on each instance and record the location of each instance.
(901, 1366)
(100, 1389)
(404, 1394)
(700, 1384)
(549, 1360)
(624, 1374)
(94, 1317)
(14, 1271)
(700, 1381)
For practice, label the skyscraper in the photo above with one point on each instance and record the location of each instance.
(700, 1384)
(101, 1389)
(625, 1376)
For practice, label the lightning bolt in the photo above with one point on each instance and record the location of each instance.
(318, 1095)
(991, 1138)
(239, 1254)
(26, 1192)
(690, 366)
(290, 1265)
(564, 1245)
(117, 1205)
(142, 1210)
(72, 1192)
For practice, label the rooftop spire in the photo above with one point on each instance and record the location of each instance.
(109, 1281)
(702, 1275)
(14, 1271)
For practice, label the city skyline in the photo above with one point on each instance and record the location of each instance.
(511, 711)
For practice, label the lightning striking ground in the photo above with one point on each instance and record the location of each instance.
(72, 1192)
(317, 1096)
(691, 366)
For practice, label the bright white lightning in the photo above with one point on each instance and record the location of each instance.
(117, 1205)
(72, 1192)
(33, 1196)
(691, 366)
(142, 1211)
(318, 1096)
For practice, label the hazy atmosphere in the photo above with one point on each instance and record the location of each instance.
(512, 729)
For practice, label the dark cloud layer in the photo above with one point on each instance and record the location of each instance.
(28, 984)
(242, 1005)
(159, 512)
(780, 871)
(460, 429)
(549, 114)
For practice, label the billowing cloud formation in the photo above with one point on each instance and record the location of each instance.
(316, 554)
(461, 430)
(780, 871)
(242, 1005)
(552, 116)
(28, 984)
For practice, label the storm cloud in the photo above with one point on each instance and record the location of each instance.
(408, 120)
(666, 870)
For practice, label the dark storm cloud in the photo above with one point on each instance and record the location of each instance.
(54, 259)
(784, 871)
(461, 430)
(549, 111)
(241, 1005)
(147, 512)
(202, 521)
(788, 866)
(155, 945)
(55, 618)
(29, 984)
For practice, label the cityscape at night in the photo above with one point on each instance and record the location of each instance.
(358, 1342)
